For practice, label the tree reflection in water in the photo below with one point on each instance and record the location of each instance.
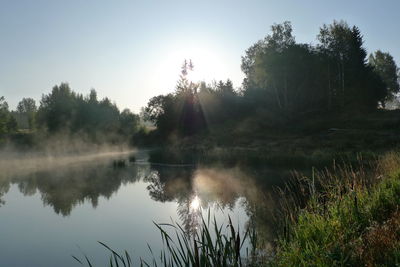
(218, 188)
(193, 189)
(65, 188)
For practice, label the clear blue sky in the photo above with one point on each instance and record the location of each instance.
(131, 50)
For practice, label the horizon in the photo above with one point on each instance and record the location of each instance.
(129, 56)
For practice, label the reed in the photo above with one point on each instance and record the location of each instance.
(209, 245)
(329, 217)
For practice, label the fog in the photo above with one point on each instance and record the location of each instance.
(56, 152)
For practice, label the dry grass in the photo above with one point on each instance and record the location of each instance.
(343, 217)
(380, 242)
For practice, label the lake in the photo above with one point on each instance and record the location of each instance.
(52, 208)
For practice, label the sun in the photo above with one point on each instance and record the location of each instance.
(208, 63)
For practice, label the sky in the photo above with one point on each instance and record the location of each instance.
(131, 51)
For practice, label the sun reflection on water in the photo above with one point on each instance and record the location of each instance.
(195, 204)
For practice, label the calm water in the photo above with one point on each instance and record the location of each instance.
(51, 209)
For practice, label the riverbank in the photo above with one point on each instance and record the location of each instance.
(352, 220)
(346, 216)
(313, 141)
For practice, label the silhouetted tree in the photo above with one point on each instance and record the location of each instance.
(385, 66)
(352, 83)
(162, 111)
(129, 122)
(281, 73)
(288, 77)
(63, 109)
(283, 80)
(180, 113)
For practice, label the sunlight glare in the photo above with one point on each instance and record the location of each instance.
(208, 64)
(195, 204)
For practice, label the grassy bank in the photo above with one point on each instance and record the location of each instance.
(350, 219)
(342, 217)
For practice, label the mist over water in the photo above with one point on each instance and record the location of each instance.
(56, 151)
(19, 164)
(84, 197)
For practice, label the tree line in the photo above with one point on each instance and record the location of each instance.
(63, 110)
(283, 79)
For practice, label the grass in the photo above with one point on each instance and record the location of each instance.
(210, 245)
(350, 219)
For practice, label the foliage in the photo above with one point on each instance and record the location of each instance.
(210, 245)
(8, 123)
(349, 216)
(294, 77)
(283, 81)
(385, 66)
(181, 112)
(26, 109)
(65, 110)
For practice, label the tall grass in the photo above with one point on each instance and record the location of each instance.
(209, 245)
(334, 213)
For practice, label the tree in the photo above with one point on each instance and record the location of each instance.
(385, 66)
(27, 107)
(283, 81)
(191, 117)
(8, 124)
(162, 111)
(288, 77)
(93, 97)
(180, 112)
(3, 116)
(279, 72)
(63, 109)
(11, 125)
(58, 108)
(184, 85)
(129, 122)
(225, 89)
(345, 60)
(280, 38)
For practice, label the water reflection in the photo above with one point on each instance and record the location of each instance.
(68, 186)
(195, 203)
(4, 187)
(193, 189)
(219, 188)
